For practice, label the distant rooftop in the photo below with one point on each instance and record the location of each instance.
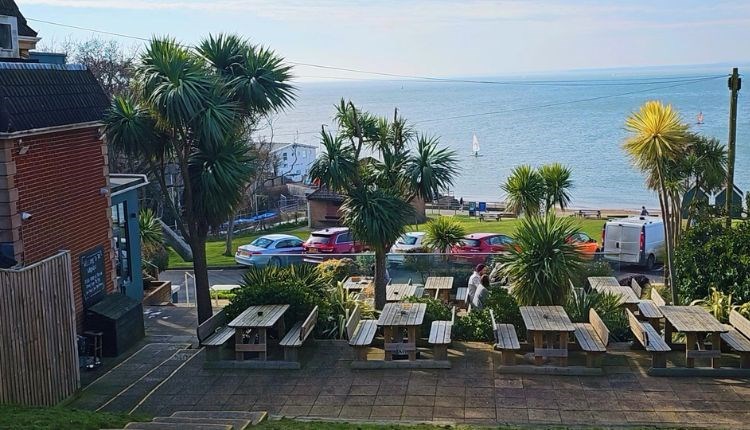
(9, 8)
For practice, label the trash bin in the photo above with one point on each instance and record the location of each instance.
(472, 212)
(120, 319)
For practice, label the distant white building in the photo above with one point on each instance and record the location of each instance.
(294, 160)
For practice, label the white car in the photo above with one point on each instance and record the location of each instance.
(271, 250)
(406, 242)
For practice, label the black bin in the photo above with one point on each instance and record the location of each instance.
(120, 319)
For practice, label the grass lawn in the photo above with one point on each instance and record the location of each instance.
(21, 417)
(215, 249)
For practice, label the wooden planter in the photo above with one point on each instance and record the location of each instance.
(157, 292)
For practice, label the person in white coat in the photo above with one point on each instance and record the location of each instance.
(475, 280)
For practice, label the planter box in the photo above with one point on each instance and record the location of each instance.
(157, 292)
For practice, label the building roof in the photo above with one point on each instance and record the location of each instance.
(324, 194)
(35, 96)
(276, 147)
(122, 182)
(9, 8)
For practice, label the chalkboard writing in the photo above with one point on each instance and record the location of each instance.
(92, 276)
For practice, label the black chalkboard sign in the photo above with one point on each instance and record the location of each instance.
(92, 276)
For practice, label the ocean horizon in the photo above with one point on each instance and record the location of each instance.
(575, 118)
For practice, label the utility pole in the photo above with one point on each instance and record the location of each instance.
(734, 84)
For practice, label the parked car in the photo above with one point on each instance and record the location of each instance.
(476, 248)
(406, 242)
(271, 250)
(634, 240)
(336, 240)
(585, 244)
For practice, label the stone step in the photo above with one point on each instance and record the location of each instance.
(236, 423)
(254, 417)
(177, 426)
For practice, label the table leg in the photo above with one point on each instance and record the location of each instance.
(238, 355)
(412, 331)
(690, 344)
(716, 346)
(388, 338)
(667, 332)
(564, 346)
(538, 343)
(281, 327)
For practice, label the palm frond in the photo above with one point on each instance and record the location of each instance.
(524, 190)
(430, 169)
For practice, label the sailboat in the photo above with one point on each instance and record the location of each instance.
(699, 118)
(475, 145)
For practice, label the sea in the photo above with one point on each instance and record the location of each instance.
(575, 118)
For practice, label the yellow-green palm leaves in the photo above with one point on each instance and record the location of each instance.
(657, 134)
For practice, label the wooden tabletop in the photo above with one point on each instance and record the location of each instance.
(252, 317)
(358, 282)
(626, 293)
(648, 309)
(397, 292)
(598, 281)
(439, 283)
(692, 319)
(546, 318)
(402, 314)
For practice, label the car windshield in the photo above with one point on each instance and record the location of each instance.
(319, 238)
(262, 242)
(470, 243)
(407, 239)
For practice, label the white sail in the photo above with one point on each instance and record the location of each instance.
(475, 144)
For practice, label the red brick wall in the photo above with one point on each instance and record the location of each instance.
(59, 180)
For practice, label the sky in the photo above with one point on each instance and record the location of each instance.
(430, 37)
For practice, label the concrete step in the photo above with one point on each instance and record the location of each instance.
(254, 417)
(177, 426)
(236, 423)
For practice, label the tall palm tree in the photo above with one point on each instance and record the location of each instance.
(524, 190)
(542, 260)
(657, 138)
(188, 112)
(557, 185)
(443, 232)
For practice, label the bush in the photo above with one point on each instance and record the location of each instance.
(710, 255)
(157, 258)
(591, 268)
(436, 311)
(506, 309)
(337, 270)
(474, 326)
(606, 305)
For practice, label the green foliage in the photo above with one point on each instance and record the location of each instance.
(712, 256)
(341, 303)
(336, 270)
(542, 261)
(157, 259)
(506, 309)
(474, 326)
(557, 184)
(608, 306)
(718, 304)
(443, 232)
(436, 311)
(153, 252)
(429, 169)
(59, 418)
(591, 268)
(524, 190)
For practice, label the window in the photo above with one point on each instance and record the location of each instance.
(121, 245)
(284, 244)
(6, 36)
(261, 242)
(344, 238)
(283, 155)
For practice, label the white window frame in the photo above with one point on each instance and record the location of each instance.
(13, 52)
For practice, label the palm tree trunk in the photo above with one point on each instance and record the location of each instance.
(228, 248)
(668, 234)
(200, 271)
(380, 281)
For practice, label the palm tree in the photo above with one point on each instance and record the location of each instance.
(524, 190)
(657, 138)
(189, 113)
(557, 184)
(443, 232)
(542, 260)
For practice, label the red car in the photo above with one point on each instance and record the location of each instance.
(336, 240)
(476, 248)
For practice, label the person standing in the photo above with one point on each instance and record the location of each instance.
(644, 212)
(461, 203)
(475, 280)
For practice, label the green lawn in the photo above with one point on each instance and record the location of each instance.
(215, 249)
(20, 417)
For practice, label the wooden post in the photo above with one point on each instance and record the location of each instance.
(690, 344)
(734, 83)
(564, 346)
(239, 355)
(538, 343)
(716, 346)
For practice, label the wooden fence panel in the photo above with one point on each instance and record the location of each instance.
(38, 353)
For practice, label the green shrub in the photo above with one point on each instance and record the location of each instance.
(436, 311)
(336, 270)
(474, 326)
(591, 268)
(506, 309)
(341, 303)
(606, 305)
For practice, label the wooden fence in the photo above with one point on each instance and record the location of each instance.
(38, 354)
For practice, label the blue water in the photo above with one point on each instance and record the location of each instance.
(587, 135)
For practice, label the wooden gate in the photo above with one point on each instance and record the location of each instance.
(38, 354)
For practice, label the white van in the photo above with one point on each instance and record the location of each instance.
(634, 240)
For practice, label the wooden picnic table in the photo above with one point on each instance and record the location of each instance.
(549, 327)
(442, 285)
(649, 311)
(398, 292)
(394, 318)
(358, 283)
(598, 281)
(626, 294)
(254, 322)
(697, 324)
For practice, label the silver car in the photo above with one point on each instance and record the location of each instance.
(271, 250)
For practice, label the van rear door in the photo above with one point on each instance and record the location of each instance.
(611, 245)
(622, 243)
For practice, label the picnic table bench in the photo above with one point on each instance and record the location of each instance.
(697, 325)
(737, 337)
(440, 336)
(398, 292)
(506, 340)
(357, 283)
(297, 335)
(650, 339)
(442, 285)
(250, 328)
(550, 328)
(462, 295)
(593, 338)
(596, 281)
(495, 216)
(589, 213)
(213, 334)
(360, 333)
(397, 316)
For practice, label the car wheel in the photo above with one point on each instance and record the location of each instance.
(650, 262)
(274, 262)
